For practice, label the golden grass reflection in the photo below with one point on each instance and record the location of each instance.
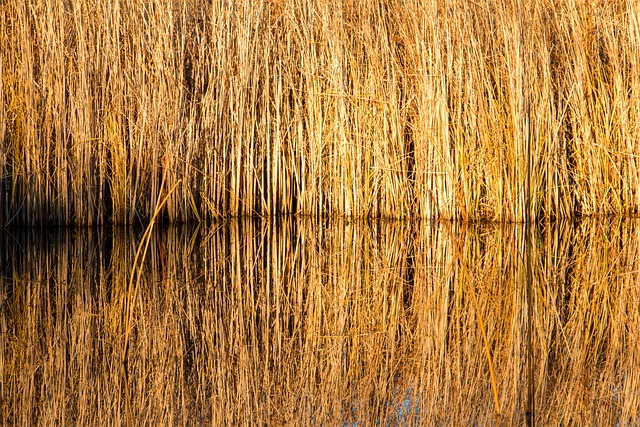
(306, 322)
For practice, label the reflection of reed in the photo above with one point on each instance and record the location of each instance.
(300, 323)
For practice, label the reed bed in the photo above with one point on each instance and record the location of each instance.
(322, 323)
(434, 109)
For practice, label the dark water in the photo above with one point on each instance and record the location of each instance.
(300, 322)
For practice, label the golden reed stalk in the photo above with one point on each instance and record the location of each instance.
(506, 110)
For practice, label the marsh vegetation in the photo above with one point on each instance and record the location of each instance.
(505, 110)
(322, 323)
(346, 127)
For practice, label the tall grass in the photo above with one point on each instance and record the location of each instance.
(451, 109)
(309, 323)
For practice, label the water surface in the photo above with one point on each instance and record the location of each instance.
(300, 322)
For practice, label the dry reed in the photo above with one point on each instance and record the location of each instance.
(451, 109)
(309, 323)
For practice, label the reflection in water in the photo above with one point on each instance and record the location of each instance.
(332, 323)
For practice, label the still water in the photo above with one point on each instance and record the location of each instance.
(334, 323)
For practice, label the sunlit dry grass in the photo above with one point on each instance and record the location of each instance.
(494, 109)
(310, 323)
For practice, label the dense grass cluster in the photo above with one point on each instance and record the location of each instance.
(509, 110)
(306, 324)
